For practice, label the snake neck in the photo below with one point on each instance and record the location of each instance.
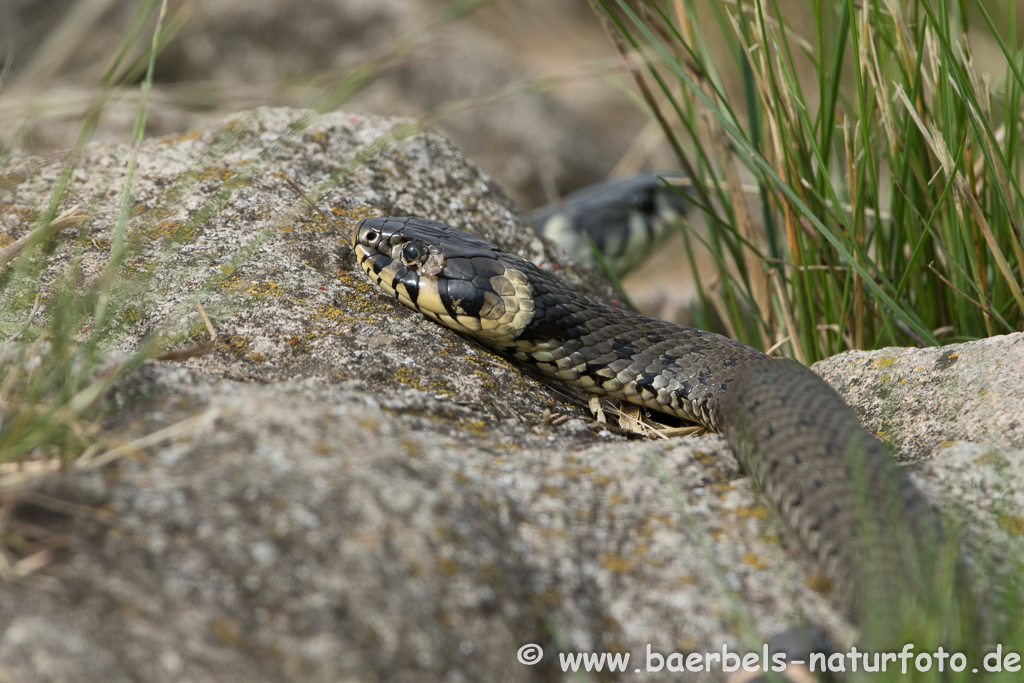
(678, 370)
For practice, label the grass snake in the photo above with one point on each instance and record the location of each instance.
(873, 533)
(625, 219)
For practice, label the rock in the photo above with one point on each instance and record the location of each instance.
(297, 306)
(344, 491)
(919, 400)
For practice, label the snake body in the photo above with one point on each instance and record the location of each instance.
(873, 533)
(625, 219)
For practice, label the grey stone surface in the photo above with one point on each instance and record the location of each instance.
(298, 306)
(918, 400)
(380, 501)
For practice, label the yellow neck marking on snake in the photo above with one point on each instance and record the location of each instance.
(506, 310)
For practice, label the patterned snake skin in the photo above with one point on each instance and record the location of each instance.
(873, 533)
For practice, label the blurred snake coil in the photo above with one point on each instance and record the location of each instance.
(875, 536)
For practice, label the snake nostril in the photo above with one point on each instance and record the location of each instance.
(370, 235)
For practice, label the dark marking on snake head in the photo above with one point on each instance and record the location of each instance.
(410, 280)
(446, 300)
(462, 297)
(487, 266)
(459, 268)
(378, 262)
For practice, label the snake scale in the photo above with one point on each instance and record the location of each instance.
(873, 533)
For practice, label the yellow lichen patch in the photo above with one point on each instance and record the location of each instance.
(182, 137)
(447, 346)
(228, 280)
(549, 490)
(686, 644)
(883, 361)
(412, 447)
(661, 520)
(514, 380)
(225, 175)
(615, 563)
(226, 632)
(358, 282)
(175, 231)
(554, 534)
(296, 344)
(258, 290)
(314, 222)
(703, 458)
(754, 561)
(991, 458)
(138, 267)
(9, 181)
(25, 216)
(352, 216)
(576, 472)
(408, 377)
(548, 599)
(819, 583)
(476, 427)
(755, 511)
(447, 566)
(333, 314)
(236, 345)
(617, 499)
(491, 574)
(1012, 524)
(130, 315)
(486, 381)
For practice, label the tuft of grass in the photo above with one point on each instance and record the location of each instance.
(889, 180)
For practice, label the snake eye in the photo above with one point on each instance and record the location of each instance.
(414, 253)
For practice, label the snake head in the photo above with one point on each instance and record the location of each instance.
(448, 275)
